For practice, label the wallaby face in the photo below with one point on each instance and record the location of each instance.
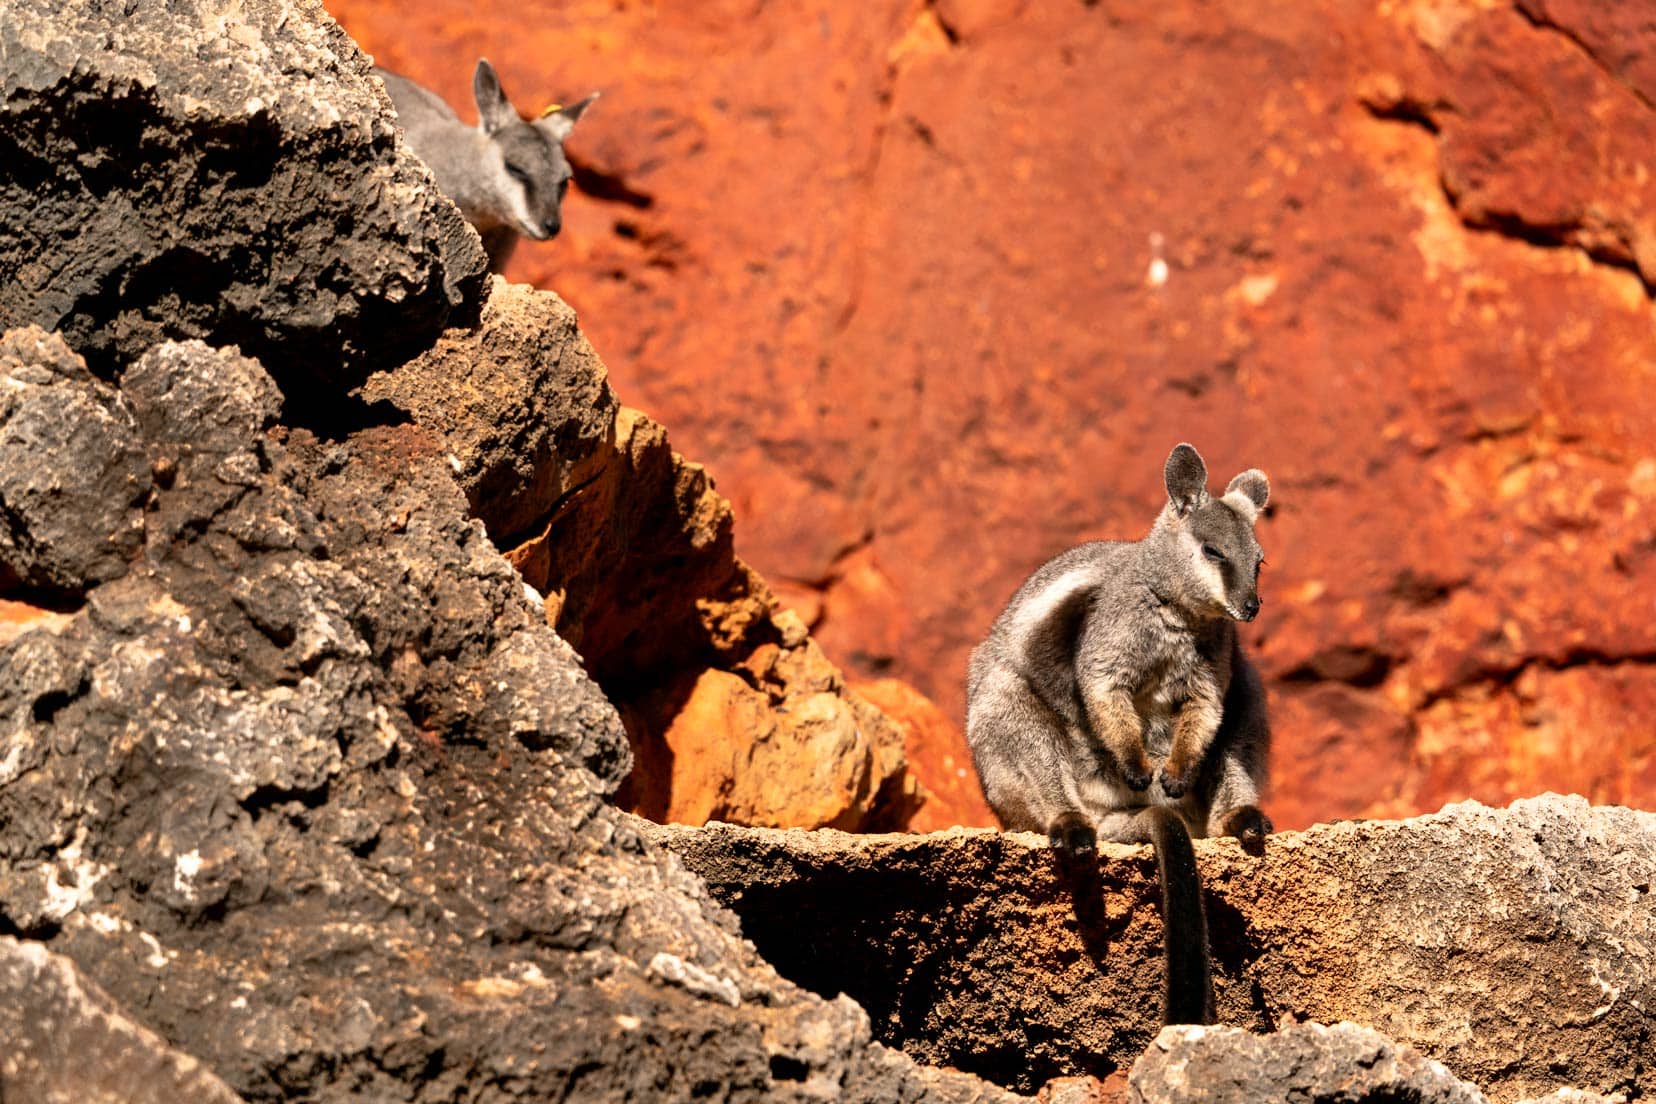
(1219, 556)
(507, 175)
(526, 168)
(1112, 699)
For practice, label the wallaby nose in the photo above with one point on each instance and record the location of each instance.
(552, 225)
(1250, 609)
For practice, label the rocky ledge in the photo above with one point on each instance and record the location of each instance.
(1517, 946)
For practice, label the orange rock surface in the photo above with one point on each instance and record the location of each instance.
(932, 287)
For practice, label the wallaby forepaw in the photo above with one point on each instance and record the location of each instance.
(1136, 775)
(1173, 785)
(1250, 826)
(1071, 834)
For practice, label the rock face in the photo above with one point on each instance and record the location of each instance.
(67, 1042)
(221, 171)
(734, 712)
(313, 789)
(1515, 946)
(933, 287)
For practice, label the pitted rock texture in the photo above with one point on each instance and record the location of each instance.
(67, 1042)
(1341, 1064)
(314, 792)
(1516, 946)
(219, 170)
(733, 711)
(64, 527)
(934, 287)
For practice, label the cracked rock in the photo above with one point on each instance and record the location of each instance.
(222, 171)
(315, 792)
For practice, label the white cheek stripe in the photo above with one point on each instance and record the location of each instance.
(1205, 569)
(1243, 505)
(516, 199)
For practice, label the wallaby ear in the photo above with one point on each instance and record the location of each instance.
(1186, 477)
(559, 121)
(1253, 484)
(494, 110)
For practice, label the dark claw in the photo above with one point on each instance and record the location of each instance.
(1173, 786)
(1071, 835)
(1250, 827)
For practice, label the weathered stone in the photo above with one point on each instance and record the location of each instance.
(315, 792)
(1341, 1064)
(66, 1042)
(733, 712)
(521, 400)
(219, 170)
(72, 474)
(1516, 946)
(934, 287)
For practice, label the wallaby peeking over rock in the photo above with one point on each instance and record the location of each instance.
(1112, 699)
(507, 175)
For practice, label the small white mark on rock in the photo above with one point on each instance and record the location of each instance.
(454, 462)
(1157, 274)
(157, 957)
(61, 898)
(628, 1023)
(688, 976)
(185, 869)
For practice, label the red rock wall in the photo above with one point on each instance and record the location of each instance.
(893, 270)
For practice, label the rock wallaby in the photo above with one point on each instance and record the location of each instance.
(1112, 699)
(507, 175)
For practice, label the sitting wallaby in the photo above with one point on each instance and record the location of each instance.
(507, 176)
(1112, 699)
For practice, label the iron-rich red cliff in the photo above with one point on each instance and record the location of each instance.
(932, 287)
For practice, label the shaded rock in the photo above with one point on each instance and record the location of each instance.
(1516, 946)
(228, 172)
(316, 793)
(522, 402)
(733, 711)
(1010, 253)
(72, 473)
(68, 1043)
(1342, 1064)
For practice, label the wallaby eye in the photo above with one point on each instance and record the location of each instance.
(517, 173)
(563, 186)
(1213, 553)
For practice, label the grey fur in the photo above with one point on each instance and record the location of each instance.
(507, 175)
(1114, 678)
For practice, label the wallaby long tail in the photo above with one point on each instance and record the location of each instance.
(1189, 998)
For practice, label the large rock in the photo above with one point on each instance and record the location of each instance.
(67, 1043)
(220, 170)
(733, 711)
(934, 287)
(1339, 1064)
(1342, 1064)
(1515, 946)
(315, 793)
